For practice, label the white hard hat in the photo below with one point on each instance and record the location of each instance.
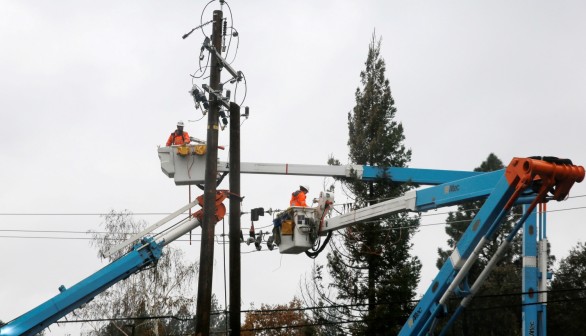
(304, 187)
(180, 123)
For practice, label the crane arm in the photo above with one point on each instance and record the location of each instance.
(542, 178)
(145, 253)
(446, 194)
(190, 169)
(30, 323)
(524, 181)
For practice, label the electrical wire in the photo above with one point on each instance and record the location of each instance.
(230, 10)
(224, 258)
(195, 75)
(203, 72)
(324, 323)
(484, 296)
(201, 17)
(281, 310)
(245, 88)
(201, 25)
(81, 214)
(197, 120)
(242, 228)
(75, 238)
(236, 90)
(231, 27)
(237, 46)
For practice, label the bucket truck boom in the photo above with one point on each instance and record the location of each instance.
(528, 181)
(144, 253)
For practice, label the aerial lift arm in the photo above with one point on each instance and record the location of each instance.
(143, 254)
(446, 194)
(189, 168)
(541, 178)
(525, 181)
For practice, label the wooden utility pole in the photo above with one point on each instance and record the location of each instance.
(206, 259)
(235, 200)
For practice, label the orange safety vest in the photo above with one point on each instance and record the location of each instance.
(175, 139)
(298, 199)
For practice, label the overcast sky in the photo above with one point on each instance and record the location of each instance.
(88, 90)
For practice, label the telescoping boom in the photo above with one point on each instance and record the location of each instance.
(146, 251)
(525, 181)
(528, 181)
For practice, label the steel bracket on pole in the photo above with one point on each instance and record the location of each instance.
(224, 64)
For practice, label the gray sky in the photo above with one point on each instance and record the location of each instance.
(90, 89)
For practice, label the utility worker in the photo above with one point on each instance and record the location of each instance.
(179, 137)
(298, 197)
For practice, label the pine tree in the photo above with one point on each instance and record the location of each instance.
(504, 279)
(372, 269)
(565, 308)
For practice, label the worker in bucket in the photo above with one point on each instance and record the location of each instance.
(299, 196)
(179, 137)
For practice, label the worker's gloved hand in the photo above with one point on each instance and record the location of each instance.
(315, 200)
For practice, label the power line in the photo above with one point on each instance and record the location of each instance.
(378, 319)
(484, 296)
(167, 213)
(74, 232)
(76, 238)
(320, 323)
(82, 214)
(242, 228)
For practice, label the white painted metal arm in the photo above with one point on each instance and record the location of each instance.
(294, 169)
(379, 210)
(150, 228)
(178, 231)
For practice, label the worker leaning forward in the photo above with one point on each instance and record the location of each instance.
(297, 199)
(299, 196)
(179, 137)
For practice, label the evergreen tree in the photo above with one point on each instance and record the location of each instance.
(480, 318)
(565, 308)
(372, 269)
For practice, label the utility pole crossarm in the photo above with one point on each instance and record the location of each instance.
(217, 96)
(224, 64)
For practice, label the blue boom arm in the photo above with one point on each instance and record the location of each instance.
(142, 255)
(524, 181)
(528, 179)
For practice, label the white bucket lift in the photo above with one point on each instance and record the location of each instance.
(299, 226)
(298, 230)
